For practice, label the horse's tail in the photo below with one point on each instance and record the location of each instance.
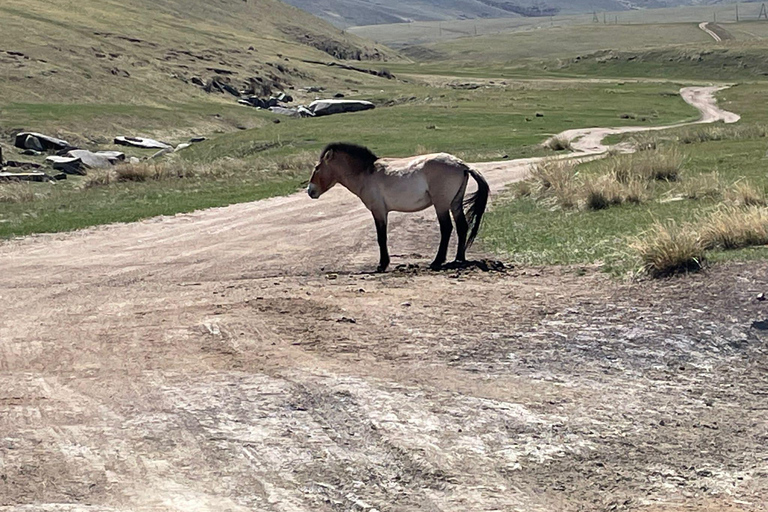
(475, 205)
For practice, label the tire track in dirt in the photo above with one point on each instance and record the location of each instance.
(203, 362)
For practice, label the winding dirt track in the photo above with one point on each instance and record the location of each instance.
(241, 358)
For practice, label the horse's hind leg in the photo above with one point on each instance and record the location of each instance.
(381, 234)
(462, 228)
(446, 228)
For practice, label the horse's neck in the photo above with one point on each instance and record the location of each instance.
(352, 180)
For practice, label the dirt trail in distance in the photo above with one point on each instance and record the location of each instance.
(243, 358)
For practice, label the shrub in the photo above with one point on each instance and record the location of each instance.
(703, 186)
(668, 249)
(558, 143)
(746, 193)
(734, 228)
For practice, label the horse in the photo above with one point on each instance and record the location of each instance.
(406, 185)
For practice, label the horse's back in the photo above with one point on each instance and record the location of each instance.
(414, 183)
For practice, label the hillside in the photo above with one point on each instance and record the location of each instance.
(137, 58)
(344, 13)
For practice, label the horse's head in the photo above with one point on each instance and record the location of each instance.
(323, 177)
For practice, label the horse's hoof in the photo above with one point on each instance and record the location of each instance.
(435, 265)
(381, 270)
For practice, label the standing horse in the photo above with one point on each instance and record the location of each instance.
(406, 185)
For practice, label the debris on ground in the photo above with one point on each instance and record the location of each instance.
(39, 142)
(67, 164)
(97, 160)
(141, 142)
(329, 107)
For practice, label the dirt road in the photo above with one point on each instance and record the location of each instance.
(241, 358)
(704, 26)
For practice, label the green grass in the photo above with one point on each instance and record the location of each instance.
(529, 232)
(481, 124)
(562, 42)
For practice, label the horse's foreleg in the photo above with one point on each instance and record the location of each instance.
(444, 217)
(462, 228)
(381, 235)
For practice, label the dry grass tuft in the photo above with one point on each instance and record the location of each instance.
(703, 186)
(603, 191)
(558, 143)
(719, 131)
(556, 180)
(645, 142)
(668, 249)
(746, 193)
(656, 164)
(734, 228)
(16, 192)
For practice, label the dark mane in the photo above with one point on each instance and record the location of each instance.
(361, 153)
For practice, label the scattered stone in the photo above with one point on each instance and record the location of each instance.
(133, 160)
(299, 111)
(539, 114)
(346, 320)
(761, 296)
(197, 81)
(67, 165)
(197, 139)
(183, 145)
(22, 165)
(30, 152)
(338, 95)
(40, 142)
(99, 160)
(329, 107)
(284, 98)
(216, 84)
(33, 143)
(314, 89)
(24, 176)
(60, 176)
(140, 142)
(276, 121)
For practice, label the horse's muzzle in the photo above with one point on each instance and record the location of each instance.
(312, 191)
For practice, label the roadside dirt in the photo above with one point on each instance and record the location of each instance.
(245, 358)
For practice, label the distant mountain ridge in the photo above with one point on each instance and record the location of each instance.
(345, 13)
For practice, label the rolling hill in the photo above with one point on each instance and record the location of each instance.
(98, 61)
(344, 13)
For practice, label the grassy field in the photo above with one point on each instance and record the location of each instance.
(408, 34)
(488, 123)
(562, 42)
(537, 232)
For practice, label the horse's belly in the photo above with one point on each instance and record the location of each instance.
(409, 196)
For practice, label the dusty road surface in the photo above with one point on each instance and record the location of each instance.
(243, 358)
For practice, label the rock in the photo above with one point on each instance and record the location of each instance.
(60, 176)
(24, 176)
(67, 164)
(133, 160)
(197, 81)
(216, 84)
(314, 89)
(183, 145)
(761, 296)
(33, 143)
(329, 107)
(284, 98)
(22, 165)
(31, 152)
(338, 95)
(100, 160)
(139, 142)
(197, 139)
(539, 114)
(299, 111)
(40, 142)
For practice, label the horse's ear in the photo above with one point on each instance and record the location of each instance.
(328, 155)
